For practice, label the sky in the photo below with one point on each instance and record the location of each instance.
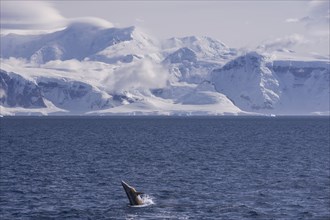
(302, 26)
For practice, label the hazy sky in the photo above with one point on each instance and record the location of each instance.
(298, 25)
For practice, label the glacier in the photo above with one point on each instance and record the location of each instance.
(85, 69)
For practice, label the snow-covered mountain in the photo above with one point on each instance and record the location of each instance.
(90, 69)
(259, 84)
(249, 82)
(78, 41)
(205, 48)
(191, 59)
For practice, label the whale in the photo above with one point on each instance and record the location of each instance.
(132, 195)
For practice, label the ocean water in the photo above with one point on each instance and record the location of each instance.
(189, 168)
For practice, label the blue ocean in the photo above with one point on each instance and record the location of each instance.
(187, 167)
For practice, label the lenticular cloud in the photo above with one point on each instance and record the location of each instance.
(30, 15)
(97, 22)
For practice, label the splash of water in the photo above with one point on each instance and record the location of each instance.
(147, 201)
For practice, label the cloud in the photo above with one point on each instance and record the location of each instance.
(139, 75)
(3, 94)
(297, 20)
(320, 56)
(67, 65)
(283, 43)
(292, 20)
(13, 61)
(319, 14)
(36, 16)
(27, 15)
(144, 74)
(317, 20)
(99, 22)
